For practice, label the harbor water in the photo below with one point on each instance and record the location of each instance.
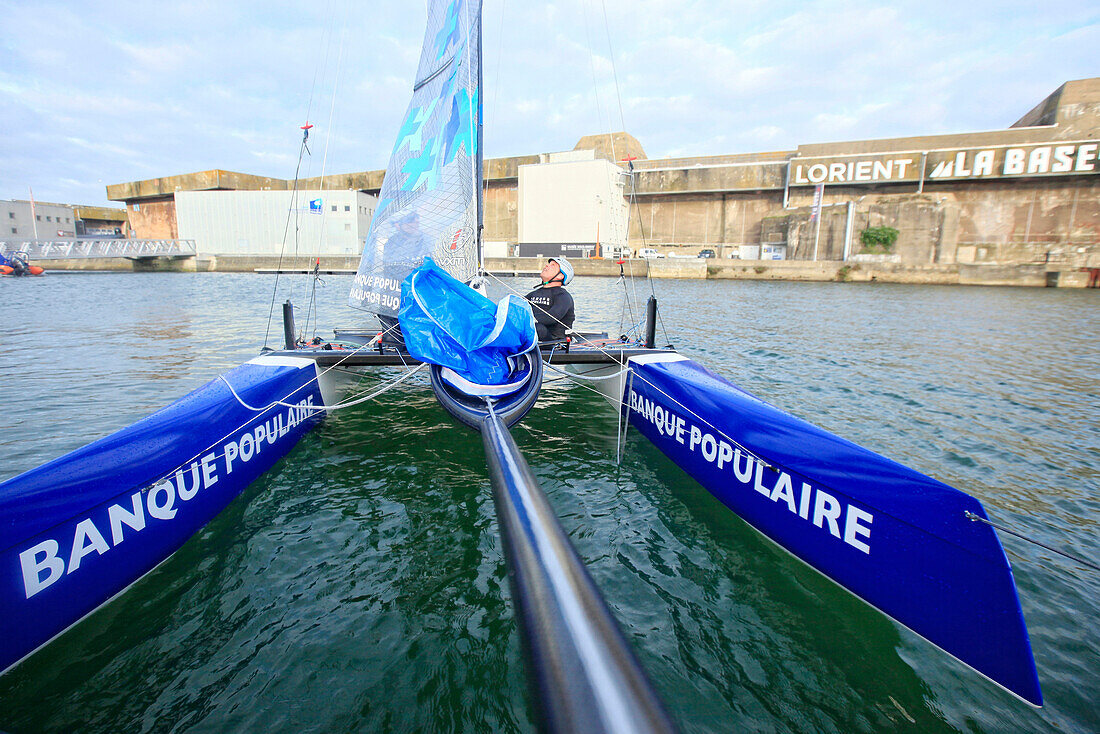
(360, 584)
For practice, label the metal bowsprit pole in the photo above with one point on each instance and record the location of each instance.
(582, 675)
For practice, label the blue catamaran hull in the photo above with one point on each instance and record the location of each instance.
(899, 540)
(77, 531)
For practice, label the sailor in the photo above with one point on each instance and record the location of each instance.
(551, 303)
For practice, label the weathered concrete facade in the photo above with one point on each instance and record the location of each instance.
(1025, 195)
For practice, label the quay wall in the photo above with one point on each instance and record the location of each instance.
(866, 270)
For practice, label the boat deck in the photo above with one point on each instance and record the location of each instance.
(389, 356)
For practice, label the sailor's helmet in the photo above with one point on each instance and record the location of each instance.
(566, 269)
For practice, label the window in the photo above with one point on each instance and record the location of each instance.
(68, 221)
(48, 218)
(347, 227)
(333, 207)
(347, 207)
(11, 215)
(38, 217)
(14, 230)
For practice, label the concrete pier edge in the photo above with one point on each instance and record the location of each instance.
(1038, 275)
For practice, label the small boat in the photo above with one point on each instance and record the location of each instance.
(79, 530)
(17, 264)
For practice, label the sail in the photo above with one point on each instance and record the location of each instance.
(428, 203)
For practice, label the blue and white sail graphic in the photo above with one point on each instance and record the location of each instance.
(428, 203)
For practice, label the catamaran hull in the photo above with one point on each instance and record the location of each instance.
(899, 540)
(79, 530)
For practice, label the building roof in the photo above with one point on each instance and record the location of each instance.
(104, 213)
(216, 179)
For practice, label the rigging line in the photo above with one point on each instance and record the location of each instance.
(769, 464)
(282, 249)
(475, 124)
(620, 433)
(321, 186)
(976, 518)
(595, 81)
(585, 377)
(599, 117)
(337, 406)
(641, 229)
(622, 311)
(614, 73)
(496, 93)
(628, 308)
(625, 236)
(312, 380)
(571, 377)
(356, 401)
(294, 195)
(318, 70)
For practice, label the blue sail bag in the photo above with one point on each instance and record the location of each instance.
(448, 323)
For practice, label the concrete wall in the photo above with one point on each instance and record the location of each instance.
(686, 223)
(153, 219)
(501, 212)
(1016, 224)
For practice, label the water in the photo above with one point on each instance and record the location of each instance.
(360, 584)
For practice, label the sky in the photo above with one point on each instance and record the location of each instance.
(115, 91)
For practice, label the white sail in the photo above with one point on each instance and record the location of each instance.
(428, 203)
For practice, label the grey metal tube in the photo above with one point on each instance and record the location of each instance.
(582, 675)
(288, 325)
(651, 322)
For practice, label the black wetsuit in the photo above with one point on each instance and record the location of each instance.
(553, 309)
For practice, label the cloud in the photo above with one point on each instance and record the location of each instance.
(119, 91)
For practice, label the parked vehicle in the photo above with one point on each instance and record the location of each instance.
(648, 253)
(707, 253)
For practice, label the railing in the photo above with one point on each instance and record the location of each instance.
(580, 669)
(73, 249)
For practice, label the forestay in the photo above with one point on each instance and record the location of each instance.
(428, 202)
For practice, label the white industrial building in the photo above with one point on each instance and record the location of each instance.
(572, 198)
(330, 222)
(40, 220)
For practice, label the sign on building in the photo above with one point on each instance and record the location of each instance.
(1017, 160)
(953, 164)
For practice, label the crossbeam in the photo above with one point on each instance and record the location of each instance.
(388, 357)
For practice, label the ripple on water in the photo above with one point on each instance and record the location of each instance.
(360, 585)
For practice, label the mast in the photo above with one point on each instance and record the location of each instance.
(480, 173)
